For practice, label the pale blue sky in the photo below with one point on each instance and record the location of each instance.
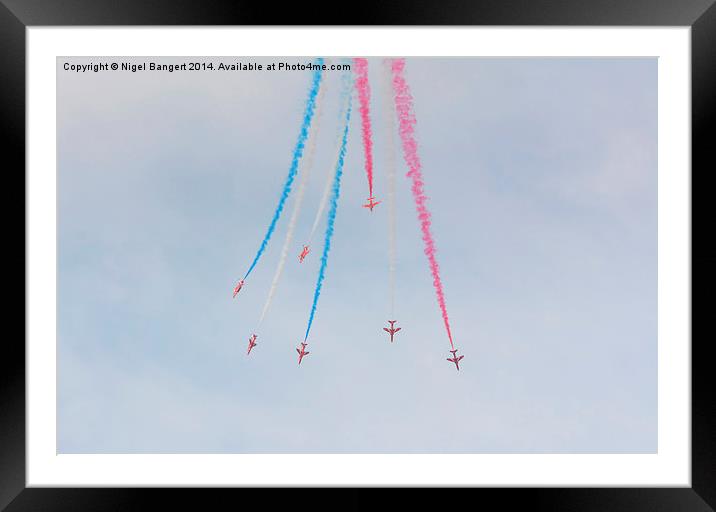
(542, 178)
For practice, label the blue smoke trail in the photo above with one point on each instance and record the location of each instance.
(331, 219)
(297, 154)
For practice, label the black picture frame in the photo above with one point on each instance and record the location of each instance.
(700, 15)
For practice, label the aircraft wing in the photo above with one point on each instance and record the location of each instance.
(386, 330)
(398, 329)
(460, 357)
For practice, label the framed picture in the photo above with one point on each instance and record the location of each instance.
(421, 247)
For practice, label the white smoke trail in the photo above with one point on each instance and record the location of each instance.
(324, 197)
(308, 164)
(388, 116)
(345, 91)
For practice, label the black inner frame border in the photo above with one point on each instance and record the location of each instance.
(700, 15)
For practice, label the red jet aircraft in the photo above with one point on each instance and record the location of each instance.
(302, 352)
(371, 203)
(392, 329)
(304, 253)
(238, 287)
(455, 359)
(252, 343)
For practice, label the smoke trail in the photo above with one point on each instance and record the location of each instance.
(389, 126)
(307, 165)
(360, 67)
(331, 219)
(324, 198)
(406, 120)
(297, 153)
(346, 84)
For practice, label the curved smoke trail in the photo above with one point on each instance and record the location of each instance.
(346, 84)
(297, 153)
(331, 219)
(406, 120)
(324, 198)
(306, 172)
(360, 66)
(389, 126)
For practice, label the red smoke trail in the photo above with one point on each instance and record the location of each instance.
(406, 120)
(360, 67)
